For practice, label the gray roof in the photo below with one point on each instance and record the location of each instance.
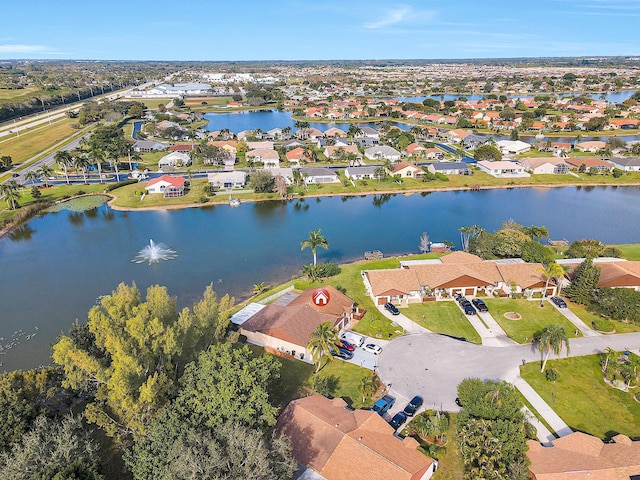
(450, 166)
(385, 150)
(369, 131)
(148, 144)
(366, 170)
(626, 161)
(317, 171)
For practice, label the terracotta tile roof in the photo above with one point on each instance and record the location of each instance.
(173, 181)
(295, 322)
(402, 165)
(457, 275)
(580, 456)
(460, 257)
(332, 439)
(526, 275)
(392, 281)
(588, 162)
(619, 274)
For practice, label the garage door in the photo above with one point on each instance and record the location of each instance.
(382, 301)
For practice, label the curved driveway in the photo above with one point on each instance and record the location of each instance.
(433, 365)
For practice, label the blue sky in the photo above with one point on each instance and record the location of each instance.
(220, 30)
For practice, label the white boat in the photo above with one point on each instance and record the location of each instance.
(233, 202)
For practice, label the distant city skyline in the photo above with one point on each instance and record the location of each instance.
(245, 30)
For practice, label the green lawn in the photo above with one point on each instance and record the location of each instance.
(583, 400)
(587, 317)
(442, 317)
(37, 139)
(630, 251)
(533, 318)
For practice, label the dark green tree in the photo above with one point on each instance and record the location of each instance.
(487, 152)
(262, 181)
(584, 282)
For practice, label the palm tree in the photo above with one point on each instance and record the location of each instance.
(354, 130)
(32, 175)
(368, 386)
(314, 241)
(113, 154)
(45, 171)
(321, 342)
(64, 158)
(311, 272)
(552, 340)
(97, 156)
(552, 270)
(11, 193)
(258, 288)
(82, 162)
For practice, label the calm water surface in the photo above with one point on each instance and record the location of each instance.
(55, 268)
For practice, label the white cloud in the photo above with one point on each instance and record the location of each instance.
(391, 17)
(18, 48)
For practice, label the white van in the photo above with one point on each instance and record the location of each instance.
(353, 337)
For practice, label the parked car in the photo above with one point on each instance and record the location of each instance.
(392, 308)
(480, 305)
(461, 299)
(468, 309)
(398, 419)
(560, 303)
(413, 405)
(372, 348)
(384, 404)
(458, 402)
(346, 345)
(342, 353)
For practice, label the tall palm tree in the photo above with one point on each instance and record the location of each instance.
(82, 162)
(113, 154)
(45, 171)
(321, 342)
(314, 241)
(553, 338)
(97, 157)
(31, 175)
(64, 159)
(551, 271)
(11, 193)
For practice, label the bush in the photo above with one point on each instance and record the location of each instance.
(603, 325)
(551, 375)
(204, 199)
(130, 181)
(328, 270)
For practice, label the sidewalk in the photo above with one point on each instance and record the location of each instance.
(573, 318)
(544, 410)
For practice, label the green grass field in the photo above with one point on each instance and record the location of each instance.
(533, 318)
(587, 317)
(583, 400)
(630, 251)
(442, 317)
(36, 140)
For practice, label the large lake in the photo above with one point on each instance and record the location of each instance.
(54, 269)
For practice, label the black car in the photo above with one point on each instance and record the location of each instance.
(398, 419)
(560, 303)
(480, 305)
(461, 299)
(342, 353)
(413, 405)
(458, 402)
(468, 309)
(392, 308)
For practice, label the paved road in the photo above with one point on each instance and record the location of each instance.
(433, 365)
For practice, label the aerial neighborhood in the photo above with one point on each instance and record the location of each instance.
(506, 354)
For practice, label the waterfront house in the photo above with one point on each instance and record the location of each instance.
(592, 146)
(545, 165)
(458, 272)
(330, 438)
(340, 152)
(627, 164)
(449, 168)
(334, 132)
(504, 168)
(169, 186)
(406, 170)
(586, 163)
(308, 134)
(316, 175)
(368, 132)
(227, 180)
(511, 147)
(360, 173)
(295, 156)
(288, 328)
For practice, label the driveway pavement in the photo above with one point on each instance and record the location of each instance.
(433, 365)
(579, 324)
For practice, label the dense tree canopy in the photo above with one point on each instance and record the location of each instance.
(584, 282)
(146, 345)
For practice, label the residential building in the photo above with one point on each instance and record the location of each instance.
(449, 168)
(406, 170)
(627, 164)
(337, 442)
(266, 145)
(167, 185)
(504, 168)
(144, 146)
(268, 158)
(382, 152)
(340, 152)
(315, 175)
(511, 147)
(288, 328)
(174, 159)
(602, 166)
(592, 146)
(545, 165)
(227, 180)
(335, 132)
(579, 456)
(360, 173)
